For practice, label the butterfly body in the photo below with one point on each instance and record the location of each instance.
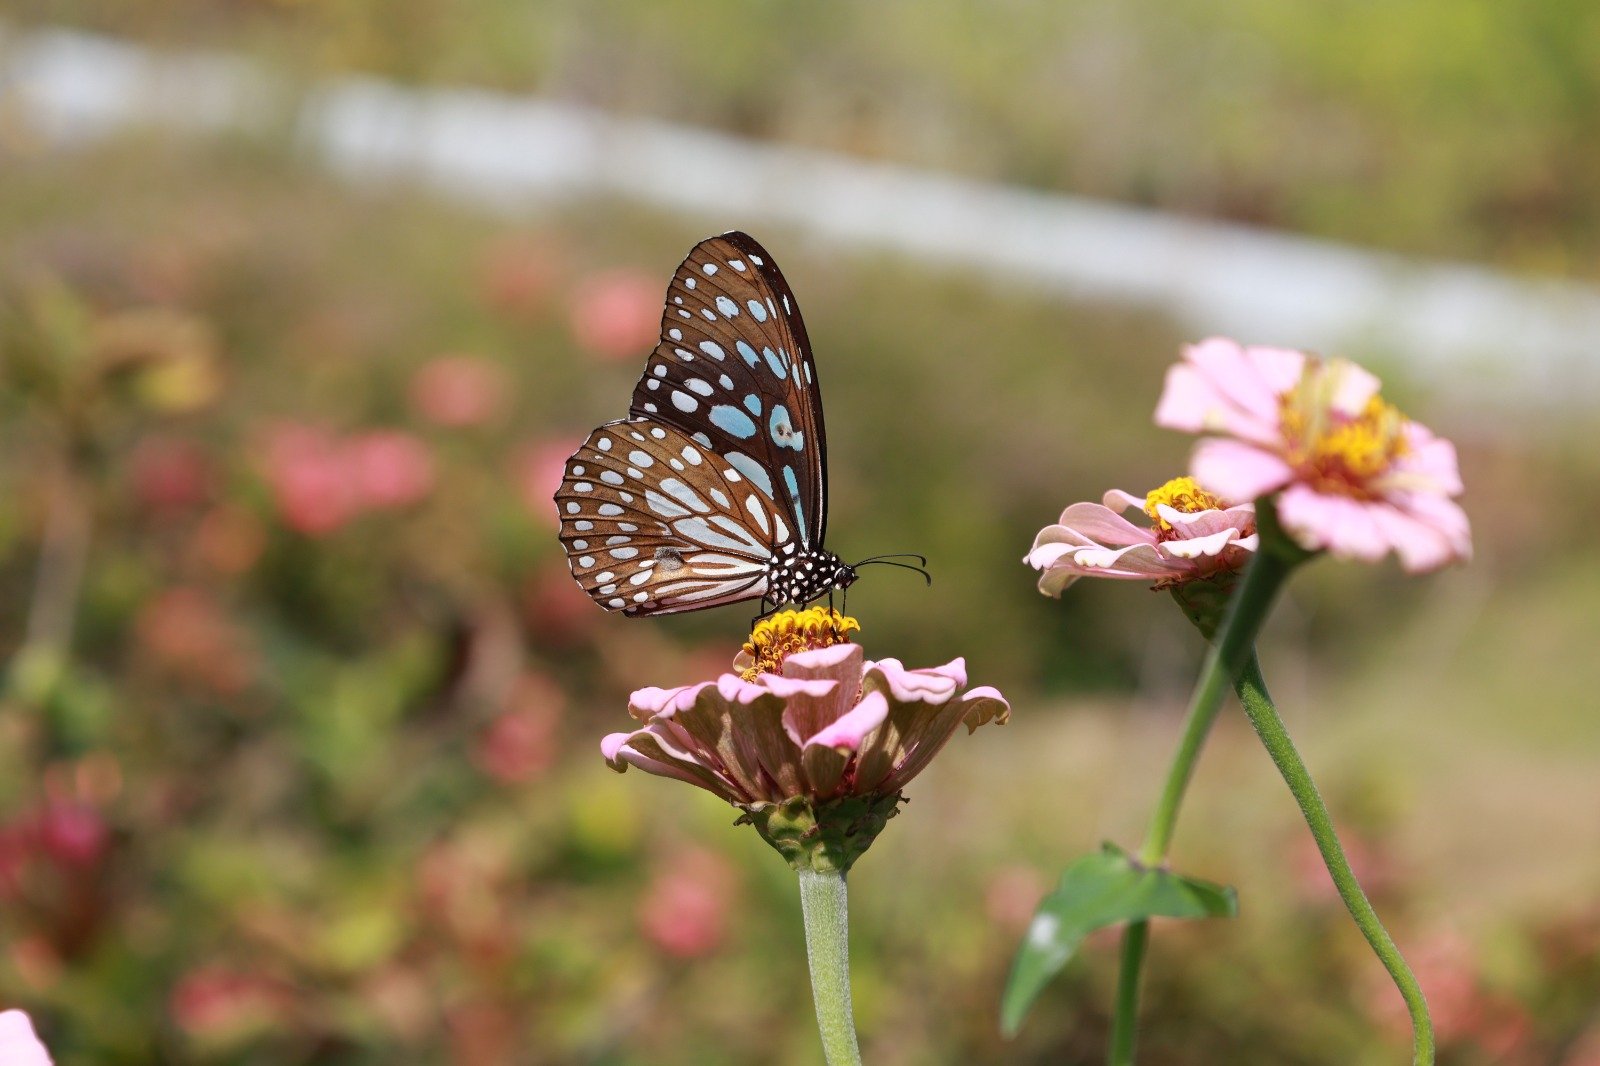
(714, 489)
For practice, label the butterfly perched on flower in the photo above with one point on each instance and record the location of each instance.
(714, 489)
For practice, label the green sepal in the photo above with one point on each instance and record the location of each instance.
(1204, 600)
(1108, 888)
(827, 837)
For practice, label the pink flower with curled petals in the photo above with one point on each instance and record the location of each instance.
(1351, 474)
(1191, 536)
(809, 730)
(19, 1044)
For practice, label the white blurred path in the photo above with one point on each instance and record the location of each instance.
(1479, 336)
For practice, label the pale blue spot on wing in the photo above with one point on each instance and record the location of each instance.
(781, 431)
(752, 403)
(728, 308)
(757, 309)
(752, 470)
(793, 485)
(713, 349)
(748, 353)
(775, 363)
(733, 421)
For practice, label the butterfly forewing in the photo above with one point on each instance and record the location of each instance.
(655, 523)
(733, 371)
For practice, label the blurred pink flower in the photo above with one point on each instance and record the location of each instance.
(1192, 535)
(218, 1004)
(459, 390)
(1353, 475)
(1011, 896)
(520, 744)
(685, 908)
(807, 722)
(617, 315)
(169, 473)
(538, 467)
(19, 1044)
(518, 273)
(321, 481)
(72, 834)
(391, 468)
(559, 614)
(310, 480)
(186, 631)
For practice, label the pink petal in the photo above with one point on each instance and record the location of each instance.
(1117, 500)
(1429, 466)
(1199, 547)
(1188, 525)
(1353, 387)
(1046, 556)
(19, 1045)
(933, 685)
(1336, 523)
(1240, 374)
(1201, 395)
(1137, 561)
(852, 728)
(1102, 525)
(1279, 368)
(1236, 471)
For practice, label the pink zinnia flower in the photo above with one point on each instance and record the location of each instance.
(390, 468)
(807, 726)
(19, 1044)
(459, 390)
(537, 468)
(1191, 535)
(617, 315)
(310, 479)
(685, 908)
(1352, 474)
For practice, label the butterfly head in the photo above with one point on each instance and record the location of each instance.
(802, 576)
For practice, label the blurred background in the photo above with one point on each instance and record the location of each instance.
(302, 305)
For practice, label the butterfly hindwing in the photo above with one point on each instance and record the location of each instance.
(655, 523)
(733, 371)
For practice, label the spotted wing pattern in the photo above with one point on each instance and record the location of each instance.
(734, 370)
(655, 523)
(714, 489)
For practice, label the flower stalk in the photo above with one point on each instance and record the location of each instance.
(1252, 689)
(824, 904)
(1246, 611)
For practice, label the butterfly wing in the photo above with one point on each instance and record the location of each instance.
(733, 371)
(655, 523)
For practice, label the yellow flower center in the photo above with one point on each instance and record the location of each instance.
(1338, 452)
(775, 639)
(1182, 494)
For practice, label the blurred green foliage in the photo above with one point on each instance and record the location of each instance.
(1447, 127)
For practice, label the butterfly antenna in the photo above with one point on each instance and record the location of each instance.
(887, 560)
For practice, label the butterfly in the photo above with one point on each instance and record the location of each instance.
(714, 489)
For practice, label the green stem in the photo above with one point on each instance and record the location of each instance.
(824, 903)
(1247, 609)
(1264, 717)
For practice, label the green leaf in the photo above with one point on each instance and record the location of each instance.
(1096, 891)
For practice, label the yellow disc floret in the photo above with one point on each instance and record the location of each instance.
(1341, 453)
(1181, 494)
(775, 639)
